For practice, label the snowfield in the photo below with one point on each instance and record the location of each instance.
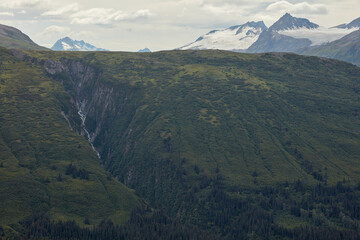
(239, 38)
(318, 36)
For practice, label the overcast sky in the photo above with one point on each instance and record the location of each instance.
(121, 25)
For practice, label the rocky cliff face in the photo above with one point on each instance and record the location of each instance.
(91, 99)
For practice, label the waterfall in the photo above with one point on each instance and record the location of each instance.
(83, 118)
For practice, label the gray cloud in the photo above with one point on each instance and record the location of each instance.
(19, 3)
(157, 24)
(8, 14)
(62, 10)
(298, 8)
(107, 16)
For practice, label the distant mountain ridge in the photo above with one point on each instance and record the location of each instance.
(288, 34)
(68, 44)
(145, 50)
(354, 24)
(235, 38)
(345, 49)
(11, 37)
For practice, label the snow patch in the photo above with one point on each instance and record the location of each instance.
(228, 39)
(318, 36)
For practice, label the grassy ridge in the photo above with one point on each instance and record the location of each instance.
(37, 145)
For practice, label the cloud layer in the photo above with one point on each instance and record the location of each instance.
(298, 8)
(107, 16)
(158, 24)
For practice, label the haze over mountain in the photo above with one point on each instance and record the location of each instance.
(67, 44)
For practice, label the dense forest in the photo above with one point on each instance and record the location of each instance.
(324, 212)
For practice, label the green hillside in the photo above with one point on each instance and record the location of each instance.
(13, 38)
(36, 148)
(247, 146)
(204, 132)
(283, 116)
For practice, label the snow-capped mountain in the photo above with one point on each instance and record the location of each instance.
(304, 29)
(290, 34)
(235, 38)
(288, 22)
(67, 44)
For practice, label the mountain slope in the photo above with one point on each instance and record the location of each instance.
(242, 145)
(45, 167)
(13, 38)
(217, 137)
(272, 41)
(345, 49)
(67, 44)
(234, 38)
(353, 24)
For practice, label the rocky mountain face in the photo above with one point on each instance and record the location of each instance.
(235, 38)
(288, 22)
(273, 40)
(11, 37)
(67, 44)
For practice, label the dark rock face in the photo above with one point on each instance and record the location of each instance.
(272, 41)
(289, 22)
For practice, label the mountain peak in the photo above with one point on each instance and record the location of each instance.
(145, 50)
(68, 44)
(288, 22)
(66, 39)
(287, 15)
